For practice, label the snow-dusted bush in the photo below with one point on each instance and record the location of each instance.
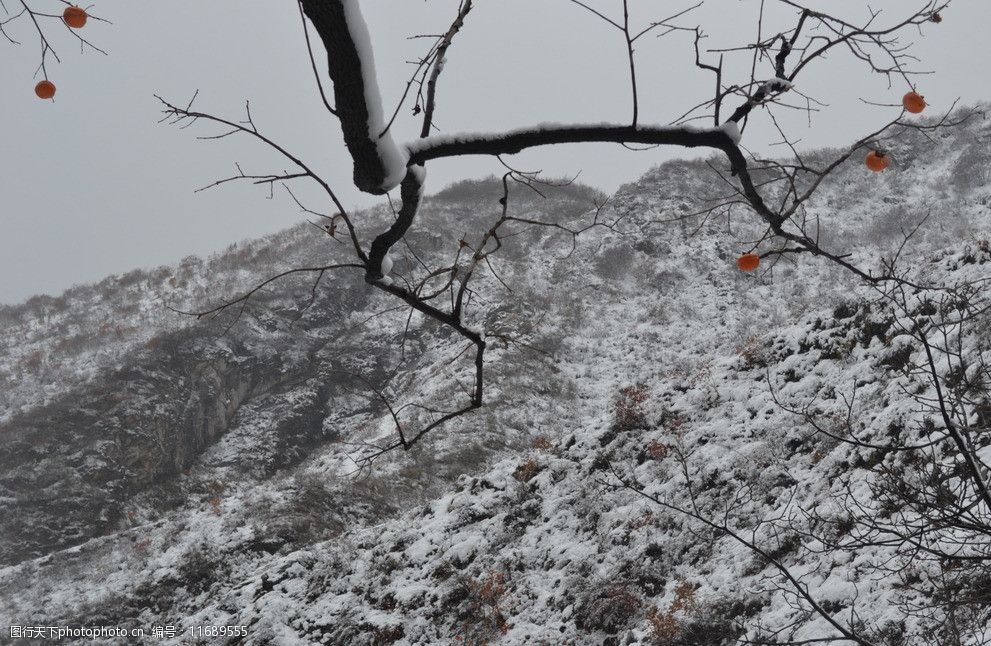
(607, 608)
(629, 410)
(475, 603)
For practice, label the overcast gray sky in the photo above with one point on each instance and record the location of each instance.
(91, 185)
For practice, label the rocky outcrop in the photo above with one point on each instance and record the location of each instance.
(70, 467)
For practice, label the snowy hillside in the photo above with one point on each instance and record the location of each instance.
(161, 470)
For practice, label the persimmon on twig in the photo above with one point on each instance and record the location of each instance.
(71, 17)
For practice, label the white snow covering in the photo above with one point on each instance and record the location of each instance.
(419, 173)
(393, 157)
(387, 263)
(732, 130)
(778, 84)
(426, 143)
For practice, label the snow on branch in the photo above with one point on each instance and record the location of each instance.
(379, 164)
(514, 141)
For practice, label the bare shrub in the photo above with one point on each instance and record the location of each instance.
(687, 623)
(542, 443)
(628, 408)
(527, 470)
(752, 351)
(481, 619)
(657, 450)
(608, 609)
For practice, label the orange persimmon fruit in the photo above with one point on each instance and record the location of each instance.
(748, 262)
(75, 17)
(877, 161)
(45, 89)
(914, 103)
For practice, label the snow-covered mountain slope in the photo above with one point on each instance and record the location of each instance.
(51, 345)
(207, 478)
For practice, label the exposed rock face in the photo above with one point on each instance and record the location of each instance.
(71, 466)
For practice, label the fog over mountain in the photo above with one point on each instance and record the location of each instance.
(159, 469)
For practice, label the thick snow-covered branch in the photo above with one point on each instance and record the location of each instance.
(379, 164)
(514, 141)
(725, 139)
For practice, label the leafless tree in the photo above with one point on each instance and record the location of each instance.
(380, 165)
(774, 193)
